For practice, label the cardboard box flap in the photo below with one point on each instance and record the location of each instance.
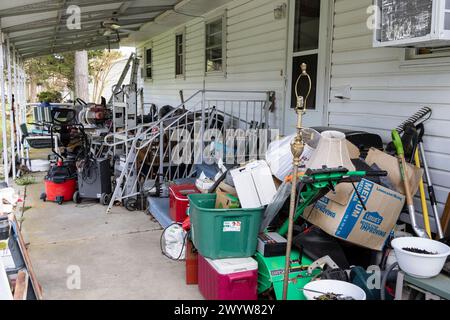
(390, 164)
(342, 194)
(226, 188)
(353, 150)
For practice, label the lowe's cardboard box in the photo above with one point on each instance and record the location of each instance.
(341, 214)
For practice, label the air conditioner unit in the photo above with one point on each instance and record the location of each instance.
(412, 23)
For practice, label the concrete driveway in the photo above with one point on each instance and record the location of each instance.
(117, 256)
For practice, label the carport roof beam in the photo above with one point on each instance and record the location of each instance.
(52, 5)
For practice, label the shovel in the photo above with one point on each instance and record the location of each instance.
(409, 199)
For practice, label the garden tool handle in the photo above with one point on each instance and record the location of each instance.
(397, 140)
(377, 173)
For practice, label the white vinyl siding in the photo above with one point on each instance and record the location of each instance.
(385, 91)
(255, 56)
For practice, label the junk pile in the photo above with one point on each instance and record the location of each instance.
(350, 207)
(17, 278)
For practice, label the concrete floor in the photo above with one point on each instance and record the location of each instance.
(118, 255)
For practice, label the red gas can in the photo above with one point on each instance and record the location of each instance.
(179, 201)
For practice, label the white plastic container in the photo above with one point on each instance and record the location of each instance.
(279, 154)
(343, 288)
(420, 265)
(39, 165)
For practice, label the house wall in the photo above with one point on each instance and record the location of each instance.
(256, 46)
(386, 90)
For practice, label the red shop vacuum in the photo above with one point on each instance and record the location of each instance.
(61, 179)
(60, 183)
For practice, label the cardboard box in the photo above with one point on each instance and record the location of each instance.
(390, 164)
(254, 184)
(226, 201)
(342, 215)
(227, 197)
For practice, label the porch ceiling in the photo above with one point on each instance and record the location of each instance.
(39, 27)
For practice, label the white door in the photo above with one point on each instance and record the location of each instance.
(308, 43)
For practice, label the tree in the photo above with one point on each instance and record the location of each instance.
(100, 64)
(56, 72)
(82, 75)
(52, 72)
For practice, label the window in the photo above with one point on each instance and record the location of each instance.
(306, 46)
(215, 39)
(179, 54)
(148, 63)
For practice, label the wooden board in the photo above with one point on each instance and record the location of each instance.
(36, 287)
(21, 288)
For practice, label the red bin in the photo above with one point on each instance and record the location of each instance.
(179, 201)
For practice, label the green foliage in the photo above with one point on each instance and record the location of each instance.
(25, 181)
(50, 96)
(54, 72)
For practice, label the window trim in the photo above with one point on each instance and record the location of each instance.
(183, 74)
(320, 114)
(150, 47)
(409, 58)
(223, 17)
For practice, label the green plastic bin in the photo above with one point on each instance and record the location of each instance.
(223, 233)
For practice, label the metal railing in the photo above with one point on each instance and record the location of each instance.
(168, 148)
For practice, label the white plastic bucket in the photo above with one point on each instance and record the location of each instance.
(343, 288)
(420, 265)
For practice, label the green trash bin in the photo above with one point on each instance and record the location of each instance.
(223, 233)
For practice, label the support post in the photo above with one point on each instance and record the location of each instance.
(202, 128)
(11, 105)
(3, 100)
(17, 105)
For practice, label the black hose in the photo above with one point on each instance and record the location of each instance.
(182, 248)
(384, 280)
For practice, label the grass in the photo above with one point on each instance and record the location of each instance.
(25, 181)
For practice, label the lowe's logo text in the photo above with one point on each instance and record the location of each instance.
(373, 217)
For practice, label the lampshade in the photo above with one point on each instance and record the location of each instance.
(331, 152)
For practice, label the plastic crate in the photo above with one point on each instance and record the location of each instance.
(223, 233)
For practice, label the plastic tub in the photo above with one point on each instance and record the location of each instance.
(420, 265)
(228, 279)
(179, 201)
(346, 289)
(223, 233)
